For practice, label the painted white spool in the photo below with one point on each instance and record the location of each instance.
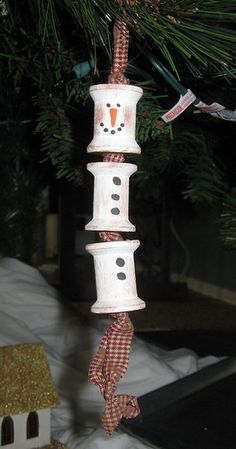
(114, 118)
(111, 196)
(115, 276)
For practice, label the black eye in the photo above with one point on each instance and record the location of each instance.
(118, 105)
(108, 105)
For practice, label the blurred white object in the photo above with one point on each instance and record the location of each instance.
(114, 118)
(111, 196)
(31, 312)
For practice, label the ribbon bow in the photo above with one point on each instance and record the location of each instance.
(108, 366)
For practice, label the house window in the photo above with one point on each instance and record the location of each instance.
(7, 435)
(32, 425)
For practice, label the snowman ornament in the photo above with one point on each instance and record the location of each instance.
(114, 118)
(114, 132)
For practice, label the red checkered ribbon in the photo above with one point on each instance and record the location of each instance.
(108, 366)
(113, 157)
(120, 54)
(109, 236)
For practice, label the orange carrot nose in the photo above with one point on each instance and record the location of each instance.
(113, 114)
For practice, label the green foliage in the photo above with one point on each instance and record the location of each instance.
(203, 179)
(20, 216)
(183, 161)
(36, 56)
(20, 192)
(228, 220)
(60, 143)
(194, 29)
(200, 31)
(41, 41)
(149, 125)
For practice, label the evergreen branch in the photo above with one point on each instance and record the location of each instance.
(200, 31)
(228, 221)
(204, 181)
(58, 140)
(184, 159)
(149, 125)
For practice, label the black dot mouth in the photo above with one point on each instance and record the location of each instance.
(119, 129)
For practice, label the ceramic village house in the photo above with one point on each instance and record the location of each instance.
(27, 395)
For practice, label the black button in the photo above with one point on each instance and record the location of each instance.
(115, 197)
(115, 211)
(120, 262)
(121, 276)
(116, 181)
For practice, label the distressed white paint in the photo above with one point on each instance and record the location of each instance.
(20, 431)
(111, 196)
(114, 118)
(115, 276)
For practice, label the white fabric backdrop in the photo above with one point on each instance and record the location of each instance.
(30, 312)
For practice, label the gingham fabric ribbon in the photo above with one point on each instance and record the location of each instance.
(108, 366)
(120, 54)
(113, 157)
(109, 236)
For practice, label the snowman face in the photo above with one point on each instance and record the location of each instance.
(113, 124)
(111, 118)
(114, 118)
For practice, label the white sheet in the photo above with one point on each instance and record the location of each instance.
(30, 311)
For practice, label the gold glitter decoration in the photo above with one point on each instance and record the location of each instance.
(25, 380)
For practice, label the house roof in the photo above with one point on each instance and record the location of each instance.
(25, 380)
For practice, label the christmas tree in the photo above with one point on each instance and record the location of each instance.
(52, 51)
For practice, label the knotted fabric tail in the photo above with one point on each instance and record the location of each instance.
(116, 408)
(108, 366)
